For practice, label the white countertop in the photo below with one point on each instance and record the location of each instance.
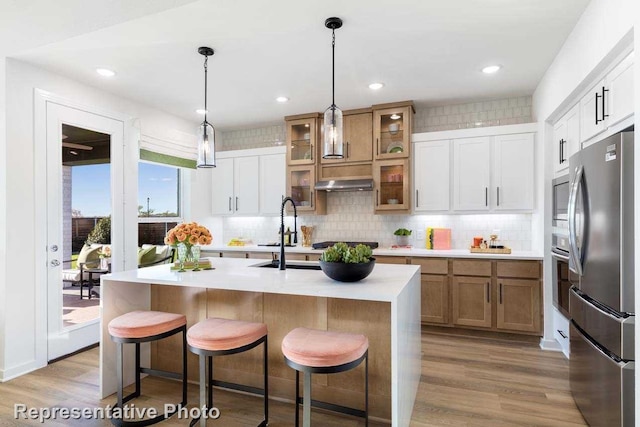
(417, 252)
(385, 282)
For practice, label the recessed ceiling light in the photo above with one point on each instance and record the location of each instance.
(282, 99)
(306, 125)
(104, 72)
(395, 116)
(201, 111)
(491, 69)
(376, 86)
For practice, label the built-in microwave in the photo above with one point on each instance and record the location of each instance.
(560, 195)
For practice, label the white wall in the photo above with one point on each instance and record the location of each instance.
(3, 204)
(19, 286)
(636, 224)
(602, 25)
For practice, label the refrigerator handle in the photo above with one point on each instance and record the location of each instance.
(576, 257)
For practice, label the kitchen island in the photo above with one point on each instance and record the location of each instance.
(385, 306)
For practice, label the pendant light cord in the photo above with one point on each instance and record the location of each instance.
(333, 77)
(206, 60)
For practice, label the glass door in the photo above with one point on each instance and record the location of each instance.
(392, 131)
(301, 182)
(301, 141)
(392, 185)
(79, 206)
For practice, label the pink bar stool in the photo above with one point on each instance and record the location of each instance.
(144, 326)
(325, 352)
(220, 337)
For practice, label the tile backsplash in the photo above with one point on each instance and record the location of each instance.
(350, 217)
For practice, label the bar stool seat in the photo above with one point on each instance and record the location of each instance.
(138, 327)
(311, 347)
(218, 337)
(314, 351)
(140, 324)
(223, 334)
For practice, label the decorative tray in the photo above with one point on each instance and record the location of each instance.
(490, 250)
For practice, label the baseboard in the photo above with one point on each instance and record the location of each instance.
(550, 345)
(17, 371)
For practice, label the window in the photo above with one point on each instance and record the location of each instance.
(158, 192)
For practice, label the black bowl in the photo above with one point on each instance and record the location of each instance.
(343, 272)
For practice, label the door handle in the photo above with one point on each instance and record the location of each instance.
(311, 147)
(311, 193)
(347, 149)
(236, 203)
(377, 147)
(574, 251)
(229, 203)
(498, 195)
(596, 103)
(488, 294)
(55, 263)
(417, 199)
(604, 114)
(486, 196)
(500, 293)
(377, 197)
(562, 334)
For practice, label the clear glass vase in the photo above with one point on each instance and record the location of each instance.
(183, 250)
(195, 255)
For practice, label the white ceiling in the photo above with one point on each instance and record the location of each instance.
(430, 51)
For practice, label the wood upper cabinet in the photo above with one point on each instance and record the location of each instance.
(518, 306)
(392, 128)
(471, 298)
(357, 137)
(391, 186)
(302, 139)
(300, 187)
(435, 298)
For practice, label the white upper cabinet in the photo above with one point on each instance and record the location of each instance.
(249, 182)
(566, 139)
(431, 162)
(222, 185)
(272, 182)
(513, 172)
(621, 94)
(471, 173)
(610, 101)
(245, 185)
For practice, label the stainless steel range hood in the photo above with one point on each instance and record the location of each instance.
(345, 185)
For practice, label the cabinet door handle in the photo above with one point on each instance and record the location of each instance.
(604, 112)
(377, 197)
(229, 203)
(562, 334)
(500, 293)
(498, 195)
(488, 293)
(347, 149)
(596, 103)
(562, 142)
(236, 203)
(311, 193)
(377, 147)
(486, 196)
(417, 199)
(311, 157)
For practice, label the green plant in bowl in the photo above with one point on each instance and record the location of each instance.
(345, 264)
(402, 232)
(402, 236)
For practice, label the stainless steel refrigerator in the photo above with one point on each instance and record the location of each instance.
(601, 306)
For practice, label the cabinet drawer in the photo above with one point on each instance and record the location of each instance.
(390, 259)
(210, 254)
(523, 269)
(234, 254)
(432, 265)
(260, 255)
(469, 267)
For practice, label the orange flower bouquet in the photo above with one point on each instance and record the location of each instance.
(186, 237)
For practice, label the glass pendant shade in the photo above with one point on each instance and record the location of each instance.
(206, 146)
(333, 147)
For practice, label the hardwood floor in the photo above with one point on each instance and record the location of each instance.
(466, 381)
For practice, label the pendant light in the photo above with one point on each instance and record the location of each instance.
(332, 147)
(206, 132)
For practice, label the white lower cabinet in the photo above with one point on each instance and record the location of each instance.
(431, 161)
(561, 331)
(244, 183)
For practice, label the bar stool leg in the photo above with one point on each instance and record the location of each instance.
(184, 366)
(266, 382)
(306, 407)
(297, 398)
(203, 389)
(366, 390)
(210, 382)
(137, 393)
(119, 368)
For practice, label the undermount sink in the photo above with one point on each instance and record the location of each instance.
(292, 266)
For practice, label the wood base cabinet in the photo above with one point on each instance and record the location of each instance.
(518, 305)
(435, 299)
(471, 301)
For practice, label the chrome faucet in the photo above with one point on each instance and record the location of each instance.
(283, 265)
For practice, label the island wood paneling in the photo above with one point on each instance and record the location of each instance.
(282, 313)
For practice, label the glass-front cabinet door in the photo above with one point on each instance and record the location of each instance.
(392, 132)
(301, 141)
(391, 179)
(301, 181)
